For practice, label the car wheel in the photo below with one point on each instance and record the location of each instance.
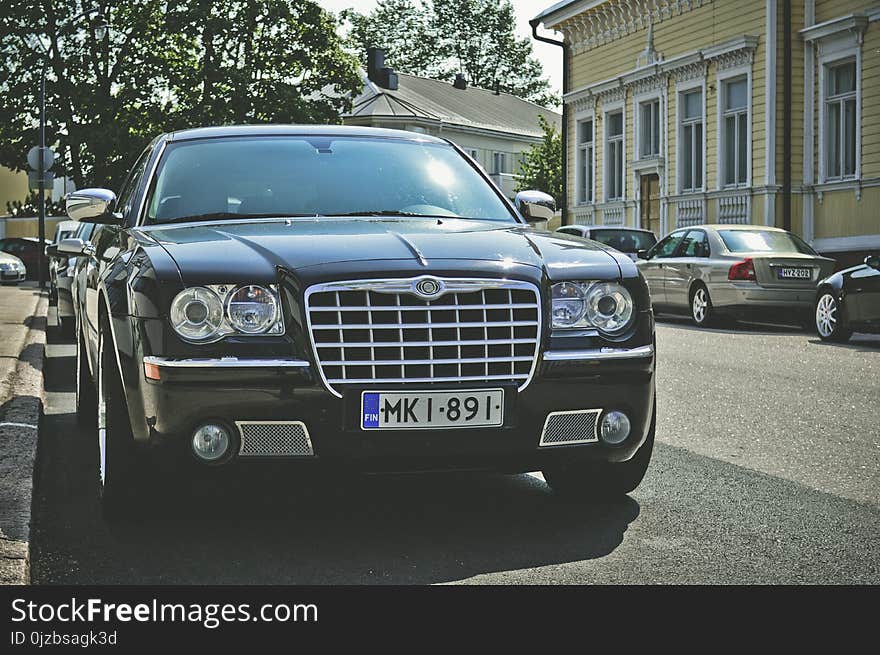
(596, 480)
(829, 318)
(85, 387)
(702, 311)
(118, 473)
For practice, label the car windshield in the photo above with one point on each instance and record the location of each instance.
(763, 241)
(319, 176)
(624, 240)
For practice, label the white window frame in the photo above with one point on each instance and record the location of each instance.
(680, 90)
(579, 118)
(723, 77)
(499, 170)
(613, 108)
(832, 53)
(638, 101)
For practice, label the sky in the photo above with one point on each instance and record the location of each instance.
(550, 56)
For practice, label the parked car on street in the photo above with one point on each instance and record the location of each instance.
(736, 271)
(64, 271)
(12, 269)
(356, 297)
(629, 240)
(27, 249)
(849, 301)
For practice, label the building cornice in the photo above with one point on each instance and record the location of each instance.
(589, 24)
(853, 23)
(735, 52)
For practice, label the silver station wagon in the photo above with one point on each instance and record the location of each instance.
(736, 271)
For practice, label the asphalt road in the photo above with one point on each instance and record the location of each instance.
(767, 470)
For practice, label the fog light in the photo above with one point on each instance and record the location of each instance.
(210, 442)
(615, 427)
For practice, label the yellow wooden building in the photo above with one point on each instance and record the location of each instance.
(679, 112)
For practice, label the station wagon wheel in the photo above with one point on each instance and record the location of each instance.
(829, 318)
(701, 306)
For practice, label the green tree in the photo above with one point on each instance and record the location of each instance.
(440, 38)
(542, 167)
(164, 65)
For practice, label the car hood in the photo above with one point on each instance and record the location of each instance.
(232, 251)
(6, 258)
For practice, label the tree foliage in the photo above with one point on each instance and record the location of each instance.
(542, 166)
(164, 65)
(440, 38)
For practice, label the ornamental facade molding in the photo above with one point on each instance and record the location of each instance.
(614, 20)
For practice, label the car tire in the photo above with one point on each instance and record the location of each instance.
(86, 399)
(603, 480)
(829, 318)
(118, 473)
(702, 311)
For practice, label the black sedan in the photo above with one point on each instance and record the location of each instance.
(849, 301)
(358, 298)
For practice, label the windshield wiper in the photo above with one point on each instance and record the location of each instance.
(391, 212)
(217, 216)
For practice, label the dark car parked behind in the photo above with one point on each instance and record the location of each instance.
(849, 301)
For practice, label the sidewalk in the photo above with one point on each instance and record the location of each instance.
(22, 346)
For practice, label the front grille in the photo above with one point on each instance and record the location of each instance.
(563, 428)
(381, 332)
(274, 439)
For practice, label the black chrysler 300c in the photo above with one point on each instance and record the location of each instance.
(353, 297)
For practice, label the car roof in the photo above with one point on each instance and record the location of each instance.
(297, 130)
(723, 226)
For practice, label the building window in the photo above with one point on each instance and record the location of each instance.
(735, 133)
(840, 120)
(649, 129)
(690, 146)
(585, 161)
(472, 153)
(614, 159)
(499, 162)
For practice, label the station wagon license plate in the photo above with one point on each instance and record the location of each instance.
(425, 410)
(795, 273)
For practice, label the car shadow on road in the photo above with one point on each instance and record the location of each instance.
(730, 327)
(861, 343)
(269, 524)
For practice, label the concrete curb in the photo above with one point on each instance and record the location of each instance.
(21, 413)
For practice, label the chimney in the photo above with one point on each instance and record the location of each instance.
(375, 63)
(460, 82)
(378, 72)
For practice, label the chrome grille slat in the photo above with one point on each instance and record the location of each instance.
(369, 332)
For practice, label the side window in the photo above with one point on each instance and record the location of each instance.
(667, 246)
(127, 193)
(696, 244)
(571, 230)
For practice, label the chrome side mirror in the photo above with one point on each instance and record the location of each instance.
(92, 206)
(642, 254)
(535, 206)
(72, 247)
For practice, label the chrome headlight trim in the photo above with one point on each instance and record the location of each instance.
(223, 294)
(608, 306)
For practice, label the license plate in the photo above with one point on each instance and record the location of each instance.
(425, 410)
(795, 273)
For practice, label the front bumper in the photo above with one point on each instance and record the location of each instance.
(191, 392)
(10, 276)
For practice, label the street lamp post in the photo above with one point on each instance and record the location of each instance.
(99, 26)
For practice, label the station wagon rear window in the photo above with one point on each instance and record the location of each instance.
(763, 241)
(319, 176)
(624, 240)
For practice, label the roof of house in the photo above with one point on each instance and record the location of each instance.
(436, 100)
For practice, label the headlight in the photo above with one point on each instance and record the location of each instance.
(606, 306)
(212, 312)
(251, 309)
(197, 313)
